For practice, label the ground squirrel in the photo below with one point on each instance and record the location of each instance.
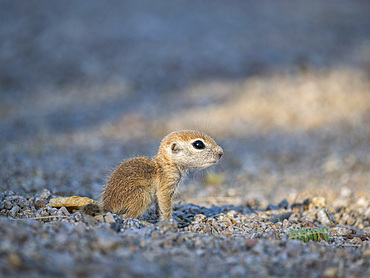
(139, 182)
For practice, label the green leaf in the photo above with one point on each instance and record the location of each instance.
(292, 234)
(326, 237)
(315, 234)
(295, 234)
(304, 236)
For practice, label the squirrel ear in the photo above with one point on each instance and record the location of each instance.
(174, 148)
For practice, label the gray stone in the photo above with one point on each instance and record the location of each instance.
(14, 211)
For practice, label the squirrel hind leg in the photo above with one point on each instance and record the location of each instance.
(138, 203)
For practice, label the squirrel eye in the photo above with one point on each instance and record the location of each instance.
(199, 145)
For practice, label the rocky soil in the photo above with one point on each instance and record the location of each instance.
(282, 87)
(237, 241)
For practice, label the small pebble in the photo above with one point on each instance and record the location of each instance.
(325, 217)
(317, 202)
(109, 218)
(14, 260)
(330, 272)
(283, 204)
(45, 193)
(341, 230)
(63, 212)
(39, 204)
(14, 211)
(272, 207)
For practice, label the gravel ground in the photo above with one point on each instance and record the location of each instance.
(225, 241)
(283, 88)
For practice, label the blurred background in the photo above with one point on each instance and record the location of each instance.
(283, 87)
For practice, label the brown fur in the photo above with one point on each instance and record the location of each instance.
(139, 182)
(91, 209)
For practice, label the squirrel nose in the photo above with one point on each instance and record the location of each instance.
(220, 153)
